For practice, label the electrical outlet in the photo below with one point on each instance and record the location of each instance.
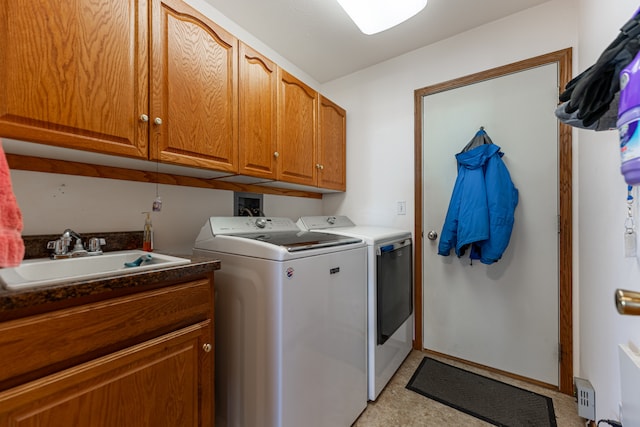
(402, 208)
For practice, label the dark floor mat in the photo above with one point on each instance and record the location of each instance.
(485, 398)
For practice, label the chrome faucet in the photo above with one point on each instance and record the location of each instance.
(61, 246)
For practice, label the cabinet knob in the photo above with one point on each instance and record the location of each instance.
(157, 121)
(206, 347)
(144, 118)
(319, 166)
(276, 154)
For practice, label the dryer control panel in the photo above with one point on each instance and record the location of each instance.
(321, 222)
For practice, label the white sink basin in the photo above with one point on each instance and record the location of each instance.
(44, 271)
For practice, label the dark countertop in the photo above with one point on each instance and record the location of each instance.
(19, 303)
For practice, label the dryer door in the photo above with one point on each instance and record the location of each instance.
(394, 287)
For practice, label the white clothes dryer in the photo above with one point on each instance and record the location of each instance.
(389, 293)
(290, 323)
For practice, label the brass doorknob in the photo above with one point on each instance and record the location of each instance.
(206, 347)
(628, 302)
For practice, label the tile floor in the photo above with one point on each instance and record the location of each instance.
(398, 407)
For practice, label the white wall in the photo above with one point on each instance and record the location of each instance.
(50, 203)
(379, 104)
(602, 207)
(379, 101)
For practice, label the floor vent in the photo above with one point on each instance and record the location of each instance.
(586, 399)
(629, 384)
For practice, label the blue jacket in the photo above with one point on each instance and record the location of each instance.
(482, 206)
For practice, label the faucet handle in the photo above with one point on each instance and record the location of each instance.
(95, 244)
(60, 246)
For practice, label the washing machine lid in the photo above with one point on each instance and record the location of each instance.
(294, 241)
(237, 234)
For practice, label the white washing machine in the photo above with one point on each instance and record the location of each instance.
(390, 293)
(290, 323)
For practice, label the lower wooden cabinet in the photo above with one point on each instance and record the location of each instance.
(152, 384)
(164, 380)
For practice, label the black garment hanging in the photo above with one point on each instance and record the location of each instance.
(591, 93)
(479, 138)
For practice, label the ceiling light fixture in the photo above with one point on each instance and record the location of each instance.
(373, 16)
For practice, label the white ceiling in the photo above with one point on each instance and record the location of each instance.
(319, 38)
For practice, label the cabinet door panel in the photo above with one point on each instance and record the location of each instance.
(156, 383)
(82, 333)
(332, 146)
(75, 74)
(258, 88)
(297, 118)
(194, 89)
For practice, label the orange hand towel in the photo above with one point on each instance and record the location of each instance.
(11, 243)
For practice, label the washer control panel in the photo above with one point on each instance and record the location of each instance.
(247, 224)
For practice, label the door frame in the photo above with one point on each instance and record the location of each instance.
(565, 233)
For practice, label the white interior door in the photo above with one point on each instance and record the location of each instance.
(503, 315)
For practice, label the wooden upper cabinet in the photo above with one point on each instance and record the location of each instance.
(312, 137)
(194, 94)
(297, 136)
(156, 79)
(74, 74)
(332, 145)
(257, 102)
